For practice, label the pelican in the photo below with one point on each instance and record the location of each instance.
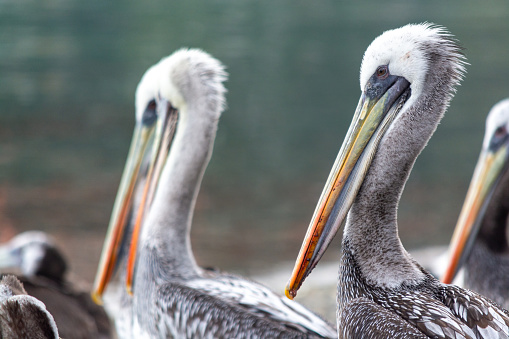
(408, 77)
(42, 269)
(34, 253)
(21, 315)
(171, 295)
(480, 240)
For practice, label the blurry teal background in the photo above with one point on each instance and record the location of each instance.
(68, 71)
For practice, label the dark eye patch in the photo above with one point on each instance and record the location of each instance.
(150, 114)
(499, 137)
(500, 131)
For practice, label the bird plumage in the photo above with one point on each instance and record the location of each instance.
(408, 77)
(40, 266)
(483, 220)
(172, 295)
(21, 315)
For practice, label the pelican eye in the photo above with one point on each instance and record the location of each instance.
(150, 114)
(382, 72)
(152, 105)
(499, 137)
(500, 132)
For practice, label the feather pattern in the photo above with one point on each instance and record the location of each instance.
(172, 295)
(436, 309)
(43, 275)
(374, 264)
(21, 315)
(408, 78)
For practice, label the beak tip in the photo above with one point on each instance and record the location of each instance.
(289, 292)
(447, 278)
(97, 298)
(129, 289)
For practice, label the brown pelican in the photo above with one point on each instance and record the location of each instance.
(42, 269)
(408, 77)
(171, 295)
(480, 240)
(21, 315)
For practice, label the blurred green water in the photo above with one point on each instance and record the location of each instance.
(68, 71)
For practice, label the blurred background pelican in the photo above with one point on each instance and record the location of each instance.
(480, 242)
(36, 261)
(69, 71)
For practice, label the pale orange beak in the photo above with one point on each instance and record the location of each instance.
(121, 209)
(371, 119)
(166, 127)
(487, 172)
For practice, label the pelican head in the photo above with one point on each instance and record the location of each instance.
(146, 118)
(183, 88)
(190, 93)
(35, 254)
(396, 72)
(490, 170)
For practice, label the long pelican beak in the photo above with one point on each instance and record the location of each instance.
(121, 209)
(166, 127)
(489, 169)
(379, 104)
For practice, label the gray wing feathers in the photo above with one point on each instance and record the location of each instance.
(430, 316)
(364, 319)
(187, 312)
(257, 299)
(487, 319)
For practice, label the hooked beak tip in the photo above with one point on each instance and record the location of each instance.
(447, 278)
(129, 289)
(290, 292)
(97, 298)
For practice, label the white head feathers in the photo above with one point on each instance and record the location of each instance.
(407, 51)
(193, 77)
(183, 78)
(498, 117)
(146, 91)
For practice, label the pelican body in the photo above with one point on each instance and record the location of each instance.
(480, 241)
(21, 315)
(408, 77)
(40, 267)
(170, 295)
